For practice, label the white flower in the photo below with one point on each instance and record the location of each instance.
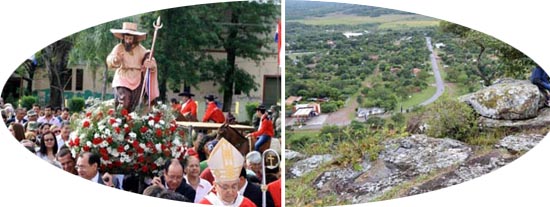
(161, 122)
(118, 120)
(88, 143)
(113, 152)
(158, 147)
(176, 142)
(119, 137)
(107, 132)
(142, 146)
(151, 123)
(73, 152)
(159, 161)
(104, 143)
(116, 124)
(126, 147)
(157, 126)
(101, 127)
(133, 135)
(134, 115)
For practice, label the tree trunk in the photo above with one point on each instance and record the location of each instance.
(229, 81)
(56, 58)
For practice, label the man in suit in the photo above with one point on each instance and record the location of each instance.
(253, 191)
(173, 180)
(19, 117)
(87, 167)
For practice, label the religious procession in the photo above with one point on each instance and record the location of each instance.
(216, 141)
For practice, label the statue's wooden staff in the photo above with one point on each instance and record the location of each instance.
(157, 25)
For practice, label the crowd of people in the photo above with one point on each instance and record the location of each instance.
(45, 132)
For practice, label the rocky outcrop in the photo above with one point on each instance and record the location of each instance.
(307, 165)
(519, 143)
(421, 154)
(473, 168)
(400, 160)
(441, 163)
(293, 155)
(542, 120)
(508, 100)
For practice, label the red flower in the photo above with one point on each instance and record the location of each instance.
(77, 141)
(117, 163)
(127, 129)
(144, 169)
(111, 112)
(103, 151)
(86, 148)
(150, 144)
(124, 112)
(162, 147)
(172, 127)
(143, 129)
(157, 119)
(117, 130)
(158, 132)
(88, 114)
(140, 150)
(97, 141)
(136, 166)
(120, 148)
(135, 144)
(109, 140)
(141, 159)
(153, 166)
(86, 124)
(112, 121)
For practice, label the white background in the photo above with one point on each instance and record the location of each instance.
(29, 25)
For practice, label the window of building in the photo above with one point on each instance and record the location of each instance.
(68, 79)
(79, 79)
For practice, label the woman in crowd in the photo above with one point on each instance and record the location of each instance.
(48, 147)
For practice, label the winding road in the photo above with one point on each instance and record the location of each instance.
(438, 79)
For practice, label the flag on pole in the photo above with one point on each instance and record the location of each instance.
(278, 40)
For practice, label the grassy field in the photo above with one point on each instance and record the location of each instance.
(417, 98)
(387, 21)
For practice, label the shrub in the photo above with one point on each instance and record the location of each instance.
(28, 101)
(327, 107)
(76, 104)
(375, 122)
(451, 118)
(251, 110)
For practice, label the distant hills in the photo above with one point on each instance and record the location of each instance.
(296, 10)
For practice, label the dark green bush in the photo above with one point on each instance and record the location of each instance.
(450, 118)
(28, 101)
(251, 110)
(76, 104)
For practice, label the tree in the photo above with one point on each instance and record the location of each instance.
(55, 57)
(241, 29)
(515, 62)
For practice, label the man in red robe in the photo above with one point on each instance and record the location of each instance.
(226, 163)
(213, 113)
(189, 106)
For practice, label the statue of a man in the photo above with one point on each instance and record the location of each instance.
(130, 60)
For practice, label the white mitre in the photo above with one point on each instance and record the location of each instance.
(225, 162)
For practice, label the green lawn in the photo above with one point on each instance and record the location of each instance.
(393, 21)
(417, 98)
(407, 24)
